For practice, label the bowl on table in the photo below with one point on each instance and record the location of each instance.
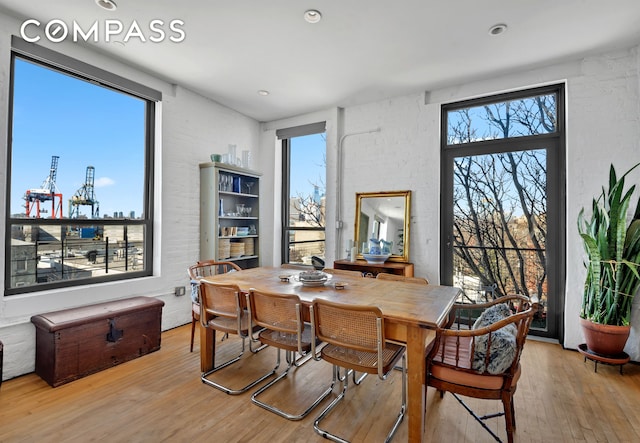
(313, 278)
(376, 259)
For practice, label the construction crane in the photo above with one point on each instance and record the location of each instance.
(48, 191)
(85, 197)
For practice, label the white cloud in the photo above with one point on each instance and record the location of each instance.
(103, 182)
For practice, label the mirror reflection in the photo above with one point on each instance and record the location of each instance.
(383, 217)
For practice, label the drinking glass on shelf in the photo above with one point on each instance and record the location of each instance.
(225, 182)
(232, 154)
(249, 185)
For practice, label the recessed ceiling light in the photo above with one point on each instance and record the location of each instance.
(263, 92)
(497, 29)
(312, 16)
(109, 5)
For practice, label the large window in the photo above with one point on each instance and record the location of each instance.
(503, 216)
(303, 185)
(79, 168)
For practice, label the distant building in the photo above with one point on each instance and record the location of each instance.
(307, 212)
(23, 263)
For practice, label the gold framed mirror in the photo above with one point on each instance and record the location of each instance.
(386, 216)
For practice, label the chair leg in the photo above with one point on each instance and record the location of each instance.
(403, 406)
(509, 416)
(256, 341)
(259, 348)
(340, 397)
(193, 330)
(292, 362)
(298, 362)
(513, 413)
(225, 389)
(357, 380)
(332, 405)
(480, 419)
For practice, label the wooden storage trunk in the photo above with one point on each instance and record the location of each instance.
(73, 343)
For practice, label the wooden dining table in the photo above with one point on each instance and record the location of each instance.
(409, 311)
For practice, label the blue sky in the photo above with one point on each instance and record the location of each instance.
(85, 125)
(308, 164)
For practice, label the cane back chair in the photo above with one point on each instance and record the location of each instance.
(201, 269)
(280, 316)
(222, 308)
(355, 341)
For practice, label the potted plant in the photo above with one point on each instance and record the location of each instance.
(613, 251)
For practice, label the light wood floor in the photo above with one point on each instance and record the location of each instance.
(159, 397)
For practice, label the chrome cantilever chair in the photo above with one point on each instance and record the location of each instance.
(201, 269)
(386, 276)
(280, 316)
(481, 358)
(355, 341)
(222, 309)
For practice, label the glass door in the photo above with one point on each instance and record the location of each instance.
(502, 204)
(499, 227)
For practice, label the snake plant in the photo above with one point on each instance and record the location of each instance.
(613, 252)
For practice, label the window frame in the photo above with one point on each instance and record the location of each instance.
(556, 176)
(58, 62)
(285, 136)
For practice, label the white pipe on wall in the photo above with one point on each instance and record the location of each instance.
(339, 224)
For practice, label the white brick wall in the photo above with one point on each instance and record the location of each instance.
(404, 155)
(603, 128)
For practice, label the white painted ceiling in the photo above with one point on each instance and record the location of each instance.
(361, 51)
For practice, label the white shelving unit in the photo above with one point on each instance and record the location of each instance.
(226, 232)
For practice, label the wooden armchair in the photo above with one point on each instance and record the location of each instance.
(201, 269)
(477, 354)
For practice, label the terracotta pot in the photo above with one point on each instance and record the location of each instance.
(605, 339)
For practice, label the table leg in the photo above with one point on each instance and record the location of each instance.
(416, 393)
(207, 348)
